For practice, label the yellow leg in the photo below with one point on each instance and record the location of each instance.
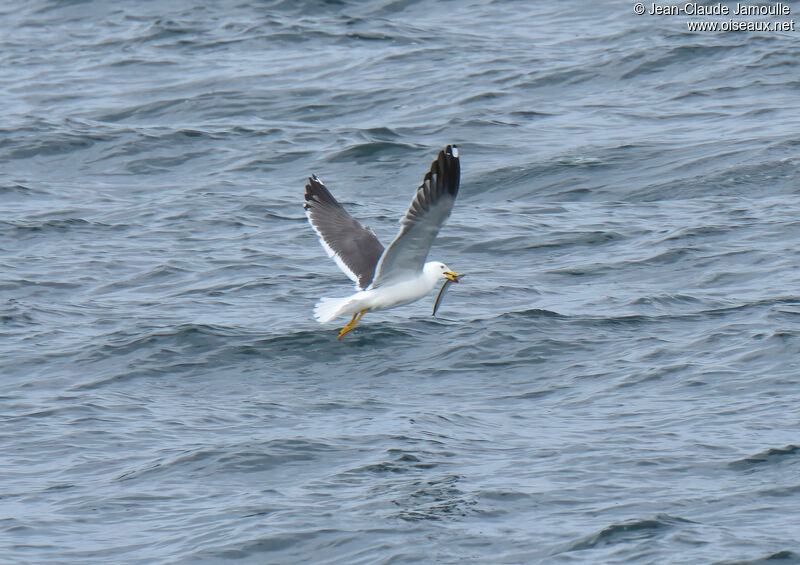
(351, 324)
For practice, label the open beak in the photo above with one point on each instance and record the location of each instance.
(452, 276)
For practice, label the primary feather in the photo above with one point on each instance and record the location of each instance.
(429, 210)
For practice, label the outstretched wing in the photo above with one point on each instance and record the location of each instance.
(354, 248)
(431, 206)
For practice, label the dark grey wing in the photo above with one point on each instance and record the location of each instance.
(354, 248)
(429, 210)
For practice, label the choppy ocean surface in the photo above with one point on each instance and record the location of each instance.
(616, 381)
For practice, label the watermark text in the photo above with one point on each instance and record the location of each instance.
(760, 16)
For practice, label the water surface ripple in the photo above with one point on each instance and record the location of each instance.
(614, 382)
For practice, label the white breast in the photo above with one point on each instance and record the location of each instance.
(397, 294)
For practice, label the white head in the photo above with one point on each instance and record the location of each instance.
(436, 270)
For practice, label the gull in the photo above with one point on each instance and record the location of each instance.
(399, 274)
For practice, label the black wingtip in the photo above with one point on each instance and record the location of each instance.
(316, 191)
(448, 169)
(448, 156)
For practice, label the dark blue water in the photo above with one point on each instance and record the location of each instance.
(616, 381)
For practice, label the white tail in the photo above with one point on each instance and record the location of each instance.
(329, 308)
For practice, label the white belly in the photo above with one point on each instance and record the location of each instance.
(397, 294)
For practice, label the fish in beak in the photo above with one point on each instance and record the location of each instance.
(452, 276)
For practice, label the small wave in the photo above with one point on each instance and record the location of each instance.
(532, 313)
(56, 225)
(154, 109)
(530, 114)
(123, 342)
(29, 283)
(48, 144)
(186, 347)
(772, 456)
(682, 55)
(630, 531)
(559, 77)
(747, 306)
(12, 315)
(163, 164)
(243, 458)
(699, 231)
(158, 275)
(532, 395)
(19, 188)
(667, 257)
(367, 152)
(784, 557)
(670, 300)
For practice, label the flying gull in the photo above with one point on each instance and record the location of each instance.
(389, 277)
